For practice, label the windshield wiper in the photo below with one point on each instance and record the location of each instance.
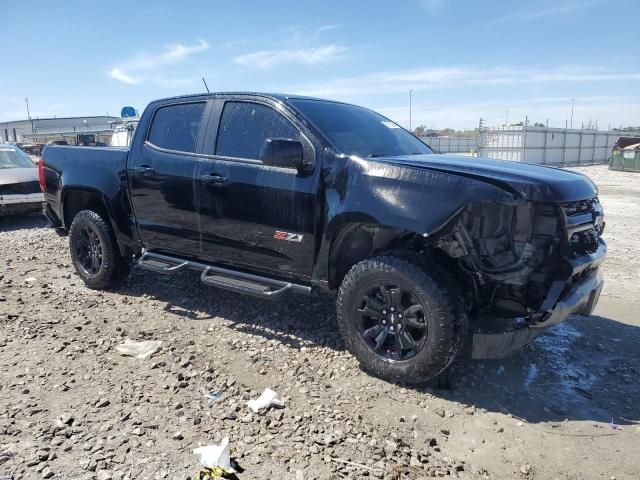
(376, 155)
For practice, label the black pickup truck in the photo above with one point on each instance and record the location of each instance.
(267, 194)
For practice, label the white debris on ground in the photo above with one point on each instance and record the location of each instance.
(267, 399)
(139, 349)
(212, 456)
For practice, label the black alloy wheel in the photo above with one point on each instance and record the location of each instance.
(95, 252)
(392, 322)
(401, 317)
(89, 250)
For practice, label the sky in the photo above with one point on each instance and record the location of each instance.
(496, 59)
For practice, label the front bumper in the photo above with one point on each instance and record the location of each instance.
(581, 298)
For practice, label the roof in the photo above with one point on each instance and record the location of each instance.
(42, 122)
(66, 133)
(275, 96)
(626, 142)
(59, 118)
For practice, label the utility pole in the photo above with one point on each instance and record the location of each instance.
(573, 101)
(26, 99)
(506, 120)
(410, 101)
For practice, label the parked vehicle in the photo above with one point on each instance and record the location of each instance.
(32, 148)
(625, 154)
(267, 194)
(19, 190)
(123, 133)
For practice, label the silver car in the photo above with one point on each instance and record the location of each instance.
(19, 187)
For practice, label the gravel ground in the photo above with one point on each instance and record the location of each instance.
(72, 407)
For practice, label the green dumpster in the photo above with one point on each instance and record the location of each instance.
(626, 154)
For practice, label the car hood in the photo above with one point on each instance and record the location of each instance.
(19, 181)
(532, 182)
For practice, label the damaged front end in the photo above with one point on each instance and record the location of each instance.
(527, 266)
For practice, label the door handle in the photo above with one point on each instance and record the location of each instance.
(144, 170)
(214, 179)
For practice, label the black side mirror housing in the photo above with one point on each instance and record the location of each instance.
(280, 152)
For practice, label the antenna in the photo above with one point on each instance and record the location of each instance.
(205, 85)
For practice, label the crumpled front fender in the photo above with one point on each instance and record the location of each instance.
(394, 197)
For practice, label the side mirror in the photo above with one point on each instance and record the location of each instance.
(280, 152)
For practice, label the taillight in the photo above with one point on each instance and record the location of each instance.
(43, 186)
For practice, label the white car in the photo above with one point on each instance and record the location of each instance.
(19, 187)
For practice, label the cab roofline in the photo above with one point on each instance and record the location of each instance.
(282, 97)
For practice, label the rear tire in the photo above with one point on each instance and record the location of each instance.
(399, 320)
(94, 251)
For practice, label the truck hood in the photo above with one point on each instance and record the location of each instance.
(532, 182)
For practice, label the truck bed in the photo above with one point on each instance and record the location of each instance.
(91, 169)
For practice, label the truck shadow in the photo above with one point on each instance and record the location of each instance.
(585, 369)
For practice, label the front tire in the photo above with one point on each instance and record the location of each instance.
(398, 320)
(94, 251)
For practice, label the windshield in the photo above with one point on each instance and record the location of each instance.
(358, 131)
(14, 158)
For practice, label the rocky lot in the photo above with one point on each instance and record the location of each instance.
(566, 407)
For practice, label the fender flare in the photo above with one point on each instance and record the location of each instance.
(123, 238)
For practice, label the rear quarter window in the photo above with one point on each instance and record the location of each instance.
(175, 127)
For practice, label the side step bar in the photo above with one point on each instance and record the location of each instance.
(148, 262)
(235, 281)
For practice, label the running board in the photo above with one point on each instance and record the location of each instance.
(148, 262)
(213, 278)
(233, 280)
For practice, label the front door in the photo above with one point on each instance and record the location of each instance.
(252, 214)
(162, 181)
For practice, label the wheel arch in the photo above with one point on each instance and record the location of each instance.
(357, 241)
(77, 199)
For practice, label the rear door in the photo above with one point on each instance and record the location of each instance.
(252, 214)
(161, 176)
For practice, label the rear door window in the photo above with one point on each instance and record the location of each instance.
(245, 126)
(175, 127)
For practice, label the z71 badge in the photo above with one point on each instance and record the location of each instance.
(288, 236)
